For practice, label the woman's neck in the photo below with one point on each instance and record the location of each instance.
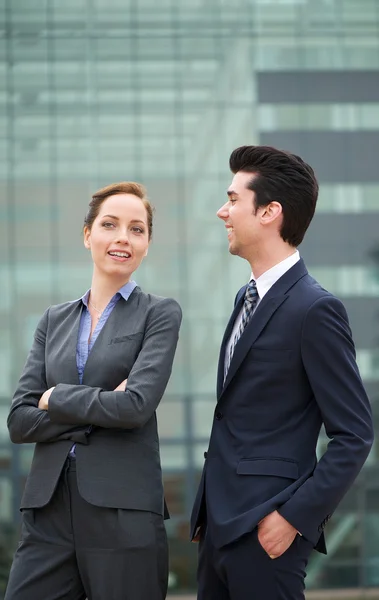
(103, 289)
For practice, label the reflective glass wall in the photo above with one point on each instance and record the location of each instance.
(98, 91)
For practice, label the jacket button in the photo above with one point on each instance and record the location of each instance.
(205, 454)
(219, 416)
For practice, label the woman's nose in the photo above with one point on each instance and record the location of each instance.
(123, 236)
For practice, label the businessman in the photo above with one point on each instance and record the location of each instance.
(287, 366)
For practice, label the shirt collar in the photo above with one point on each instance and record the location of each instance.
(268, 278)
(124, 291)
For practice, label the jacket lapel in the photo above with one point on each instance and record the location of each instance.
(253, 329)
(227, 334)
(68, 349)
(123, 313)
(265, 310)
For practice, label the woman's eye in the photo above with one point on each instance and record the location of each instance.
(107, 225)
(137, 229)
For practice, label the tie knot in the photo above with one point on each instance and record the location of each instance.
(251, 291)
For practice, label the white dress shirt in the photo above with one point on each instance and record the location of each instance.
(264, 283)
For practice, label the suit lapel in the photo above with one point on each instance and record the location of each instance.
(123, 313)
(68, 349)
(253, 329)
(265, 310)
(227, 334)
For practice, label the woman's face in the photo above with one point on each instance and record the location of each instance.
(118, 238)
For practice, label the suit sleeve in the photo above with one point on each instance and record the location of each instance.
(146, 384)
(328, 355)
(26, 422)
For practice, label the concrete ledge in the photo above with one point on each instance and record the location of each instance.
(350, 594)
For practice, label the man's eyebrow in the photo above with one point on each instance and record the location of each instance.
(231, 193)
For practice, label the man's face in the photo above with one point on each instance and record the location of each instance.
(240, 217)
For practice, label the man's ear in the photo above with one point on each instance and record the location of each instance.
(271, 212)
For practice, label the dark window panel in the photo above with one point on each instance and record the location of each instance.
(318, 86)
(340, 239)
(343, 156)
(364, 321)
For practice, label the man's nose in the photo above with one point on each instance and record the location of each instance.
(223, 211)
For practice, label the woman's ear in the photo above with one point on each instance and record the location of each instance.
(87, 238)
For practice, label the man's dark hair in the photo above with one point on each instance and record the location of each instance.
(282, 177)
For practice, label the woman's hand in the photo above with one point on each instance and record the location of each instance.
(122, 386)
(43, 404)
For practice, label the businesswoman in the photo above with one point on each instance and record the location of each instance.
(93, 503)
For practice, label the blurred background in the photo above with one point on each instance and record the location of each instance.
(161, 91)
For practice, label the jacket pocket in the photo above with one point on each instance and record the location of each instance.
(127, 338)
(277, 467)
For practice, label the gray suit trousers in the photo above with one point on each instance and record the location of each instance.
(73, 550)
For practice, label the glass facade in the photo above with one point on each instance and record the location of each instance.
(98, 91)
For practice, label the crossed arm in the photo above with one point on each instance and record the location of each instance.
(71, 408)
(27, 423)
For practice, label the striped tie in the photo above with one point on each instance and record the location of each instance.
(250, 301)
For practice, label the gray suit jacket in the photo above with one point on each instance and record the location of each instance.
(118, 463)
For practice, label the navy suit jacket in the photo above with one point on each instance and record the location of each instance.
(293, 370)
